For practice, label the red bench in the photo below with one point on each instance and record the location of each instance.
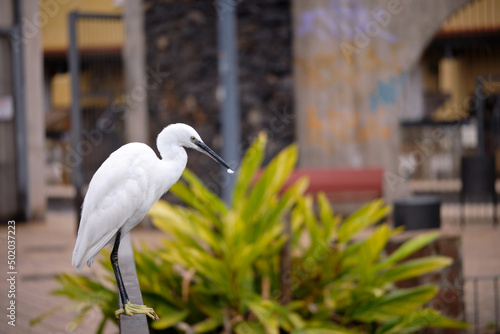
(342, 184)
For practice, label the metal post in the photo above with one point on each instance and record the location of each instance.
(228, 73)
(20, 117)
(497, 308)
(476, 306)
(138, 323)
(480, 97)
(76, 117)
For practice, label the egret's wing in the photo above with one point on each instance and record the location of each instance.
(115, 193)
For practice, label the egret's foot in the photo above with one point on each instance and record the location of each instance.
(130, 309)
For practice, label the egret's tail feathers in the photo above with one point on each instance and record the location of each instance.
(89, 262)
(79, 263)
(85, 252)
(77, 260)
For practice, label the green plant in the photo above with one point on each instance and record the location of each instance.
(224, 268)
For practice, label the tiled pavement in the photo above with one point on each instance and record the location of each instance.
(44, 249)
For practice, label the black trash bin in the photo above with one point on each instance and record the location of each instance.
(478, 177)
(418, 212)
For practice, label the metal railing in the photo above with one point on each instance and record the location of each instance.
(485, 300)
(138, 324)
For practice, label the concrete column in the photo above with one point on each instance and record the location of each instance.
(9, 203)
(352, 63)
(35, 115)
(136, 86)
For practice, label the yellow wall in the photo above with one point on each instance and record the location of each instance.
(477, 15)
(457, 75)
(60, 92)
(54, 24)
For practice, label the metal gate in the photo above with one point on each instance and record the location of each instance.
(97, 90)
(13, 153)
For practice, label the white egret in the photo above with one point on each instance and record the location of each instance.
(123, 190)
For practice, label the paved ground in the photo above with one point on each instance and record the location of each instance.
(44, 249)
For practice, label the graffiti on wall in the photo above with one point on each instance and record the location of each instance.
(351, 70)
(387, 92)
(338, 128)
(347, 20)
(324, 70)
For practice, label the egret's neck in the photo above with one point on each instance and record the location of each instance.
(173, 159)
(170, 167)
(174, 153)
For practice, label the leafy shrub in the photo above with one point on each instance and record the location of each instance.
(272, 262)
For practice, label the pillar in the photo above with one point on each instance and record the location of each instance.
(352, 63)
(136, 85)
(35, 114)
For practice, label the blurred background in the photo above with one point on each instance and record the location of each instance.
(355, 84)
(400, 98)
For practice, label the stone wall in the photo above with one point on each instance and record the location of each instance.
(181, 40)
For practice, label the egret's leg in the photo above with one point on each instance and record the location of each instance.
(116, 269)
(128, 308)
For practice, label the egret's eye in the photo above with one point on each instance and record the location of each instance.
(193, 138)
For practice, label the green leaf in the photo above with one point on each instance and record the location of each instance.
(414, 268)
(249, 327)
(408, 248)
(413, 322)
(328, 220)
(79, 318)
(102, 324)
(370, 249)
(366, 216)
(169, 316)
(184, 224)
(270, 183)
(314, 232)
(288, 199)
(209, 266)
(394, 304)
(45, 315)
(204, 194)
(265, 311)
(196, 196)
(249, 166)
(442, 321)
(208, 325)
(326, 329)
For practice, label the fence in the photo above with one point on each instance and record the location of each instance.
(483, 304)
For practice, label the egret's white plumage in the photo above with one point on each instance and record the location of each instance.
(127, 184)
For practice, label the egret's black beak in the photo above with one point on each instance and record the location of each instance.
(213, 155)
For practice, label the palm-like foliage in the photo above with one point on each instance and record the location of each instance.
(221, 268)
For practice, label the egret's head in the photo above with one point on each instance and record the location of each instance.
(184, 135)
